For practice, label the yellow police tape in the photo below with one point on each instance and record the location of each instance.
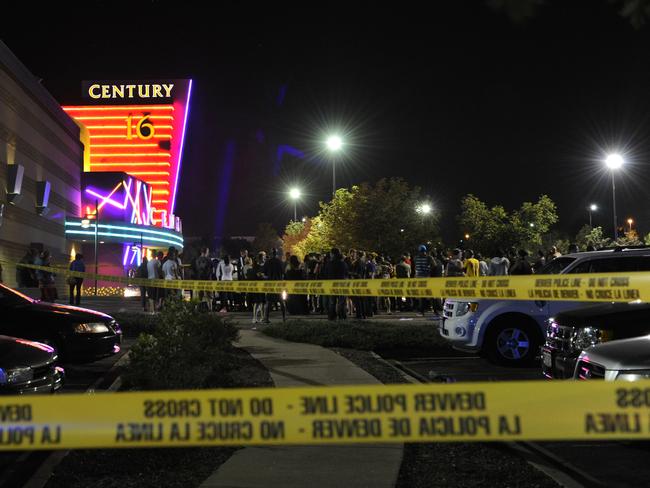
(612, 287)
(515, 411)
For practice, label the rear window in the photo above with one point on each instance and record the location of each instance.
(613, 265)
(557, 265)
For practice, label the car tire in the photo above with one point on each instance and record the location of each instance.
(512, 341)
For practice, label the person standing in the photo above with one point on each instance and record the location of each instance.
(225, 273)
(170, 270)
(46, 278)
(273, 271)
(540, 262)
(75, 283)
(482, 265)
(202, 269)
(472, 265)
(337, 270)
(455, 264)
(521, 266)
(256, 273)
(296, 304)
(154, 272)
(499, 264)
(423, 264)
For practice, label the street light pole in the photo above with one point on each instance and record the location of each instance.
(334, 143)
(614, 206)
(96, 233)
(614, 162)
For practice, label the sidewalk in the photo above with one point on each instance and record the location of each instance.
(293, 364)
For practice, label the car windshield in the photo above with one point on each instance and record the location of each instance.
(9, 297)
(557, 265)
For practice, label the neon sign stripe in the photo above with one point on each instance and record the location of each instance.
(127, 165)
(130, 155)
(125, 236)
(160, 192)
(144, 173)
(180, 153)
(124, 145)
(119, 136)
(123, 126)
(119, 117)
(91, 225)
(130, 107)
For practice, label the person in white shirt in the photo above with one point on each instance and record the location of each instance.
(170, 270)
(224, 273)
(154, 272)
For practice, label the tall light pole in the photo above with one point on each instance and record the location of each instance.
(630, 222)
(294, 194)
(334, 144)
(591, 208)
(96, 232)
(614, 162)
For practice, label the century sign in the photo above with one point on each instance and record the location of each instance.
(121, 91)
(128, 90)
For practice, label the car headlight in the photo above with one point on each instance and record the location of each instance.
(90, 328)
(633, 375)
(19, 374)
(463, 308)
(586, 337)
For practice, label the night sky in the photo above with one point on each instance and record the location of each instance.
(467, 102)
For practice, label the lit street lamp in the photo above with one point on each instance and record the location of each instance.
(334, 144)
(614, 162)
(467, 237)
(294, 194)
(424, 209)
(592, 208)
(85, 223)
(630, 222)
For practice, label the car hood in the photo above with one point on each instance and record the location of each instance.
(82, 314)
(20, 352)
(623, 354)
(606, 315)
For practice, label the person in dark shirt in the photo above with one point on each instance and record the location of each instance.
(273, 271)
(337, 269)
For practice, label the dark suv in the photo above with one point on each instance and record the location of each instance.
(571, 332)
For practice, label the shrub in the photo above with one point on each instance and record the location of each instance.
(186, 349)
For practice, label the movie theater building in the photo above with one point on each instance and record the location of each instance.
(134, 133)
(41, 158)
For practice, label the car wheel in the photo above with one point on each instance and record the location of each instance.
(512, 342)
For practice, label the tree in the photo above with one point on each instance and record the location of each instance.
(294, 233)
(588, 236)
(494, 228)
(266, 238)
(382, 217)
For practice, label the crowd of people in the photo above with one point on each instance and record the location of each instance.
(333, 265)
(353, 265)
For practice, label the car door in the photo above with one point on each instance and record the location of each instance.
(13, 314)
(617, 263)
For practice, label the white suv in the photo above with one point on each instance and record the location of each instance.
(511, 331)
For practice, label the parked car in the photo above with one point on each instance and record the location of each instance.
(78, 334)
(512, 331)
(626, 360)
(28, 367)
(571, 332)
